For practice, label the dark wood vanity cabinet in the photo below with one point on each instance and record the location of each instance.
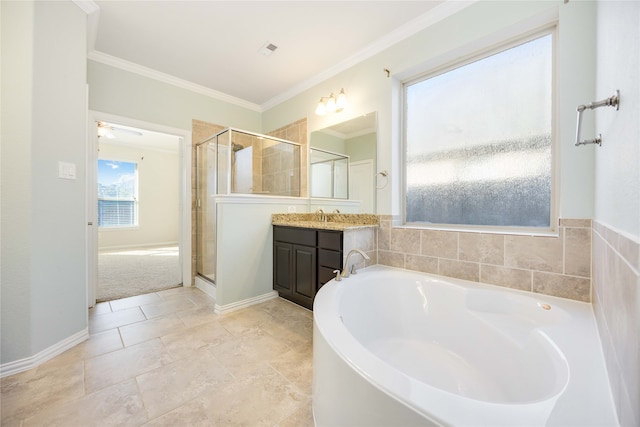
(303, 260)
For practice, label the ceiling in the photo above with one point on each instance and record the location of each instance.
(216, 45)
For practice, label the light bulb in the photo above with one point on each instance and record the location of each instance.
(341, 103)
(331, 104)
(321, 110)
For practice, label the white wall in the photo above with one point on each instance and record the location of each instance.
(44, 114)
(369, 89)
(616, 232)
(158, 195)
(115, 91)
(617, 164)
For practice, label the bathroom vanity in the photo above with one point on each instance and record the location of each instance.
(306, 251)
(303, 260)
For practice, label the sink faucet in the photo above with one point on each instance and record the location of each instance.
(320, 212)
(346, 271)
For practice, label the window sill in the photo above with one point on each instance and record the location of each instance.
(512, 231)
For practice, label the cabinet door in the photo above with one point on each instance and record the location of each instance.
(304, 267)
(283, 267)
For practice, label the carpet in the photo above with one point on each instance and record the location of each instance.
(131, 272)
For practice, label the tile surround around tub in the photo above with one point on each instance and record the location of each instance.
(558, 266)
(616, 304)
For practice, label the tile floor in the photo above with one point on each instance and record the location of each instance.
(165, 359)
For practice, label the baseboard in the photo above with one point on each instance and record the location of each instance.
(31, 362)
(222, 309)
(138, 246)
(206, 287)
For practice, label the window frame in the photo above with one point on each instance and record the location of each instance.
(136, 198)
(446, 64)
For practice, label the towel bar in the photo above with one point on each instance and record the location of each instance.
(613, 101)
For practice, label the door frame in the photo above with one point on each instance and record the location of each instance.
(185, 154)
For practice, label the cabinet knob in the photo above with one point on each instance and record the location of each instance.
(338, 277)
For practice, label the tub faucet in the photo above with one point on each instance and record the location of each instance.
(346, 271)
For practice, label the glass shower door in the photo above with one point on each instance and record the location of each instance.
(206, 209)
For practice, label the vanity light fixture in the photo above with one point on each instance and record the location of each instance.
(332, 105)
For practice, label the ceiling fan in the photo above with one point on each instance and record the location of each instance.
(109, 131)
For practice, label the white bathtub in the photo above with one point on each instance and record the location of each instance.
(393, 347)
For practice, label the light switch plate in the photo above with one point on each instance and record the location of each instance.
(66, 170)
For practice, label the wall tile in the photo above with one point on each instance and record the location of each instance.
(459, 269)
(384, 235)
(405, 240)
(422, 263)
(442, 244)
(392, 259)
(363, 239)
(577, 252)
(575, 222)
(576, 288)
(630, 251)
(507, 277)
(484, 248)
(616, 303)
(534, 253)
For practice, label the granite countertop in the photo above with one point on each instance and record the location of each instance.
(333, 221)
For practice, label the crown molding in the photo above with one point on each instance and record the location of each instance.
(423, 21)
(166, 78)
(438, 13)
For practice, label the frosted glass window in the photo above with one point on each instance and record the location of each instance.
(478, 141)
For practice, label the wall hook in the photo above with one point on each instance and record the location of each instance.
(613, 101)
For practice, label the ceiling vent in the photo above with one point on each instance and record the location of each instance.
(268, 49)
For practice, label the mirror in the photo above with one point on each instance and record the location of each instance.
(328, 174)
(350, 147)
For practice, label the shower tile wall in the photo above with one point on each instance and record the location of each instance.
(616, 303)
(559, 266)
(295, 132)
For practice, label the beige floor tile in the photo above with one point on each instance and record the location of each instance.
(35, 392)
(296, 366)
(167, 306)
(150, 329)
(124, 303)
(245, 321)
(262, 398)
(240, 354)
(191, 414)
(281, 307)
(203, 314)
(182, 345)
(179, 290)
(111, 368)
(173, 385)
(100, 308)
(97, 344)
(293, 329)
(303, 417)
(193, 367)
(118, 405)
(103, 322)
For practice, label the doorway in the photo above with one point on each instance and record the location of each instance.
(138, 189)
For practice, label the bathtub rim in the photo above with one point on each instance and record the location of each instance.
(380, 374)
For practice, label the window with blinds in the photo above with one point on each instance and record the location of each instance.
(117, 194)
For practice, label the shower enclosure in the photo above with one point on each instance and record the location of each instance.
(237, 162)
(328, 174)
